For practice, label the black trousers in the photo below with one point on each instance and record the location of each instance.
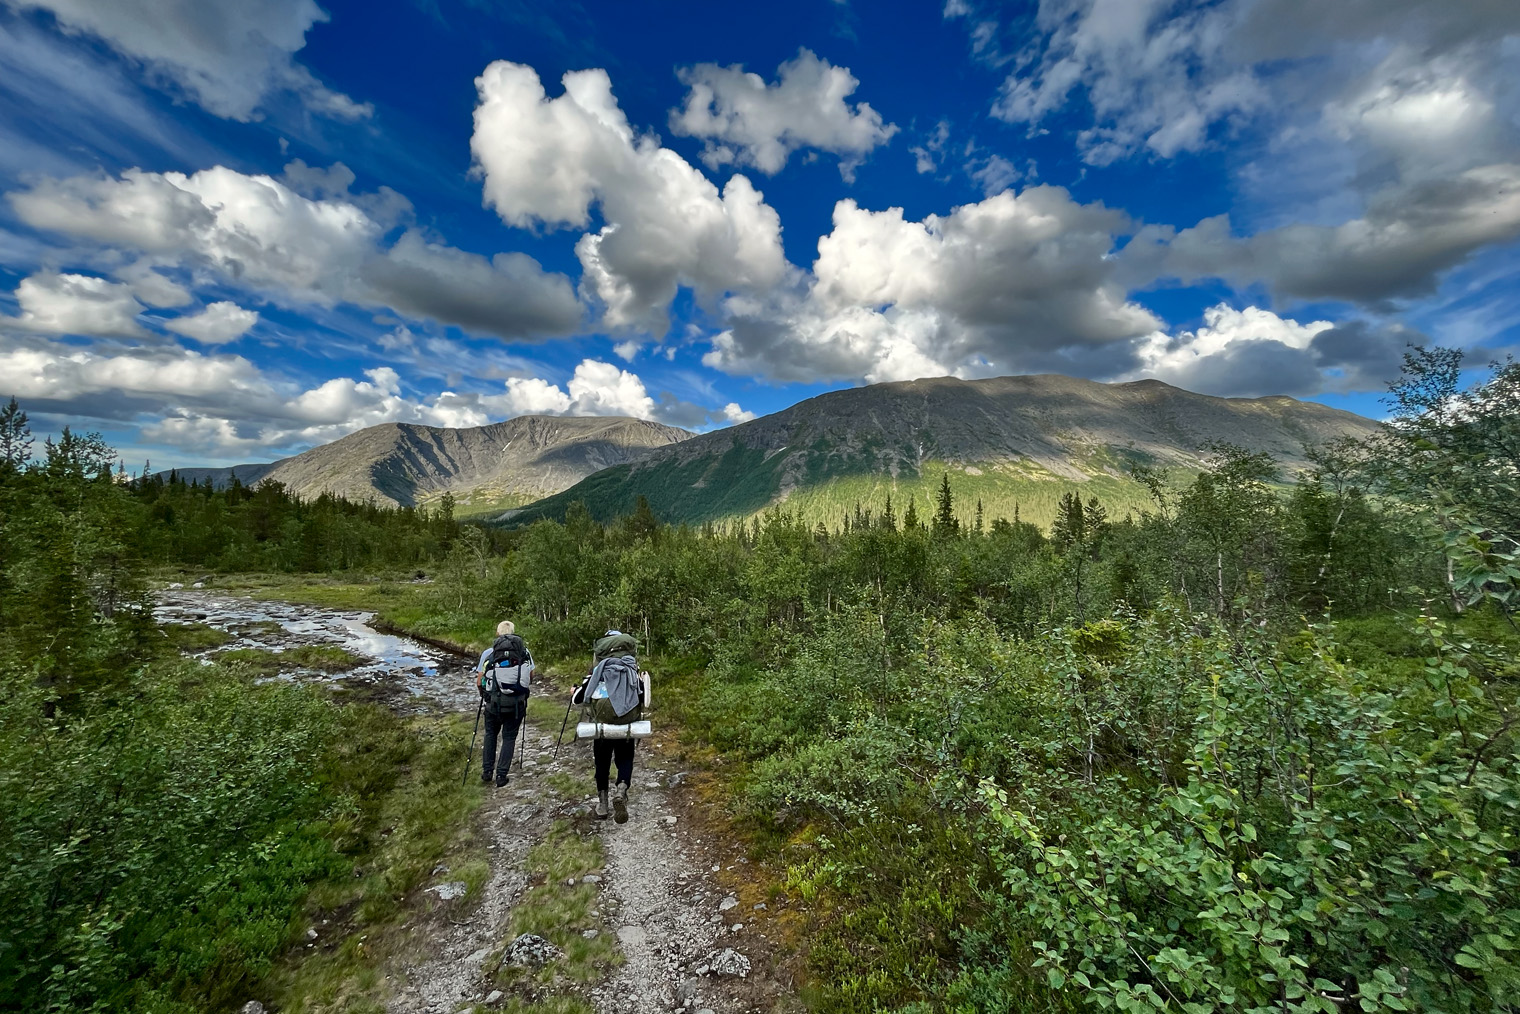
(605, 751)
(506, 725)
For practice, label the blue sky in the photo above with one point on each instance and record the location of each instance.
(232, 231)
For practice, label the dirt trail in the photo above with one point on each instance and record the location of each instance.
(682, 937)
(657, 896)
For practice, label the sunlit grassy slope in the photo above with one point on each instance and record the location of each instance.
(489, 499)
(744, 483)
(1003, 490)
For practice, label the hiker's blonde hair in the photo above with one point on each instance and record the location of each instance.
(504, 628)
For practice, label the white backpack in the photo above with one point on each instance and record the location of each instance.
(502, 685)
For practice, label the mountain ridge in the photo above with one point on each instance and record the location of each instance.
(1010, 439)
(408, 464)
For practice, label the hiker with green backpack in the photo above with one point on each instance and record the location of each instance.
(504, 679)
(615, 693)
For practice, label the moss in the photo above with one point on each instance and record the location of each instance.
(568, 786)
(326, 658)
(193, 637)
(253, 661)
(323, 657)
(561, 912)
(409, 814)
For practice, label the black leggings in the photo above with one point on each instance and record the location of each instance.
(605, 750)
(505, 726)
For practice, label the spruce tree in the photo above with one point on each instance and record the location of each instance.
(910, 516)
(1069, 529)
(642, 523)
(15, 437)
(944, 517)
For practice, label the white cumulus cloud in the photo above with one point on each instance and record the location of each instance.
(1014, 283)
(746, 121)
(600, 388)
(1252, 352)
(214, 402)
(77, 304)
(550, 161)
(256, 232)
(596, 388)
(218, 323)
(734, 414)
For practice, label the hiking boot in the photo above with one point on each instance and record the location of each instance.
(620, 803)
(602, 809)
(501, 782)
(485, 779)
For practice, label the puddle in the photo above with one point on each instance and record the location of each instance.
(432, 679)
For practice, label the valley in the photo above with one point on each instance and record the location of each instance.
(899, 762)
(1029, 493)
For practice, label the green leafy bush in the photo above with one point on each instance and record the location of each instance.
(156, 848)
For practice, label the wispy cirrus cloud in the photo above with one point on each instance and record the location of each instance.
(228, 58)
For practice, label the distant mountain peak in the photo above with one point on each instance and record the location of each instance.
(1006, 440)
(485, 467)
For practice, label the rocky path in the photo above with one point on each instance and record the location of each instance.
(678, 947)
(680, 933)
(666, 892)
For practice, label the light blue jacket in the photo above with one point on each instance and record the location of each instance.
(620, 674)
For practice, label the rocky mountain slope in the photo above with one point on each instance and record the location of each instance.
(1008, 441)
(484, 467)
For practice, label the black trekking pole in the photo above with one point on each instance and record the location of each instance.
(562, 725)
(524, 748)
(471, 755)
(570, 702)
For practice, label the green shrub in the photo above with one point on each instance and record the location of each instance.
(155, 849)
(1140, 812)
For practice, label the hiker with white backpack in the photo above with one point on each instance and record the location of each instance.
(504, 678)
(615, 693)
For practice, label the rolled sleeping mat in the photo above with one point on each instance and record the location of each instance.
(606, 730)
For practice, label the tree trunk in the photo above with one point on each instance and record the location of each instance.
(1219, 578)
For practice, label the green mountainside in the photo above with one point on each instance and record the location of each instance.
(1014, 443)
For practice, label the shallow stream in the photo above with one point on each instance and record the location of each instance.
(412, 675)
